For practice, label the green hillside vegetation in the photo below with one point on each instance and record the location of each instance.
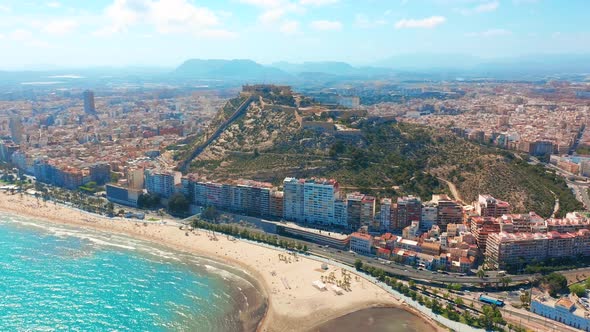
(480, 169)
(388, 159)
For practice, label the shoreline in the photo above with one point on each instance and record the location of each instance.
(292, 302)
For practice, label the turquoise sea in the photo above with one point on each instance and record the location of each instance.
(57, 278)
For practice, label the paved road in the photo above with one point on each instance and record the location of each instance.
(585, 198)
(454, 191)
(407, 271)
(579, 184)
(581, 194)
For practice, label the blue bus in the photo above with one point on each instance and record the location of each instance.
(491, 300)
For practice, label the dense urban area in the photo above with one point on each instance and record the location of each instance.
(196, 154)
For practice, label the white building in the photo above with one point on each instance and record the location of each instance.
(385, 214)
(293, 199)
(361, 243)
(340, 213)
(162, 183)
(429, 217)
(563, 310)
(312, 201)
(318, 201)
(411, 232)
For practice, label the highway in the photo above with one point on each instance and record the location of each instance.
(408, 271)
(393, 268)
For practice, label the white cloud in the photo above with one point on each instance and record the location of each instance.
(178, 15)
(272, 15)
(290, 27)
(364, 22)
(60, 27)
(490, 33)
(5, 9)
(425, 23)
(487, 7)
(54, 4)
(318, 2)
(264, 3)
(218, 34)
(482, 8)
(123, 14)
(20, 35)
(325, 25)
(38, 43)
(166, 16)
(275, 11)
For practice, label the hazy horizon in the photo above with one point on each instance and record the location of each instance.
(164, 33)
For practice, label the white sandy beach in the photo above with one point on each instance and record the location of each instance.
(294, 304)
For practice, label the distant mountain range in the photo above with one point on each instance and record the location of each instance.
(229, 69)
(402, 67)
(243, 69)
(442, 66)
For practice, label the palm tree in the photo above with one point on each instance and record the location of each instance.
(480, 273)
(505, 281)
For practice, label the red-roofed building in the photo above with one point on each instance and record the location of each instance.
(383, 253)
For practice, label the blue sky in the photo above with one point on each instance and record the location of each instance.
(78, 33)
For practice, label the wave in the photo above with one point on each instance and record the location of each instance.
(243, 291)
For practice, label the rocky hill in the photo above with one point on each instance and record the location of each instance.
(271, 141)
(263, 126)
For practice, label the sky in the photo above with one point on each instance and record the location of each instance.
(164, 33)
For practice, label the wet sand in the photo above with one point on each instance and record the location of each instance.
(376, 320)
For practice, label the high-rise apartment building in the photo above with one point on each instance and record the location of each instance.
(135, 178)
(385, 214)
(89, 107)
(310, 200)
(319, 198)
(488, 206)
(7, 148)
(293, 193)
(162, 183)
(429, 216)
(409, 208)
(16, 129)
(353, 210)
(368, 211)
(340, 217)
(505, 249)
(448, 211)
(276, 204)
